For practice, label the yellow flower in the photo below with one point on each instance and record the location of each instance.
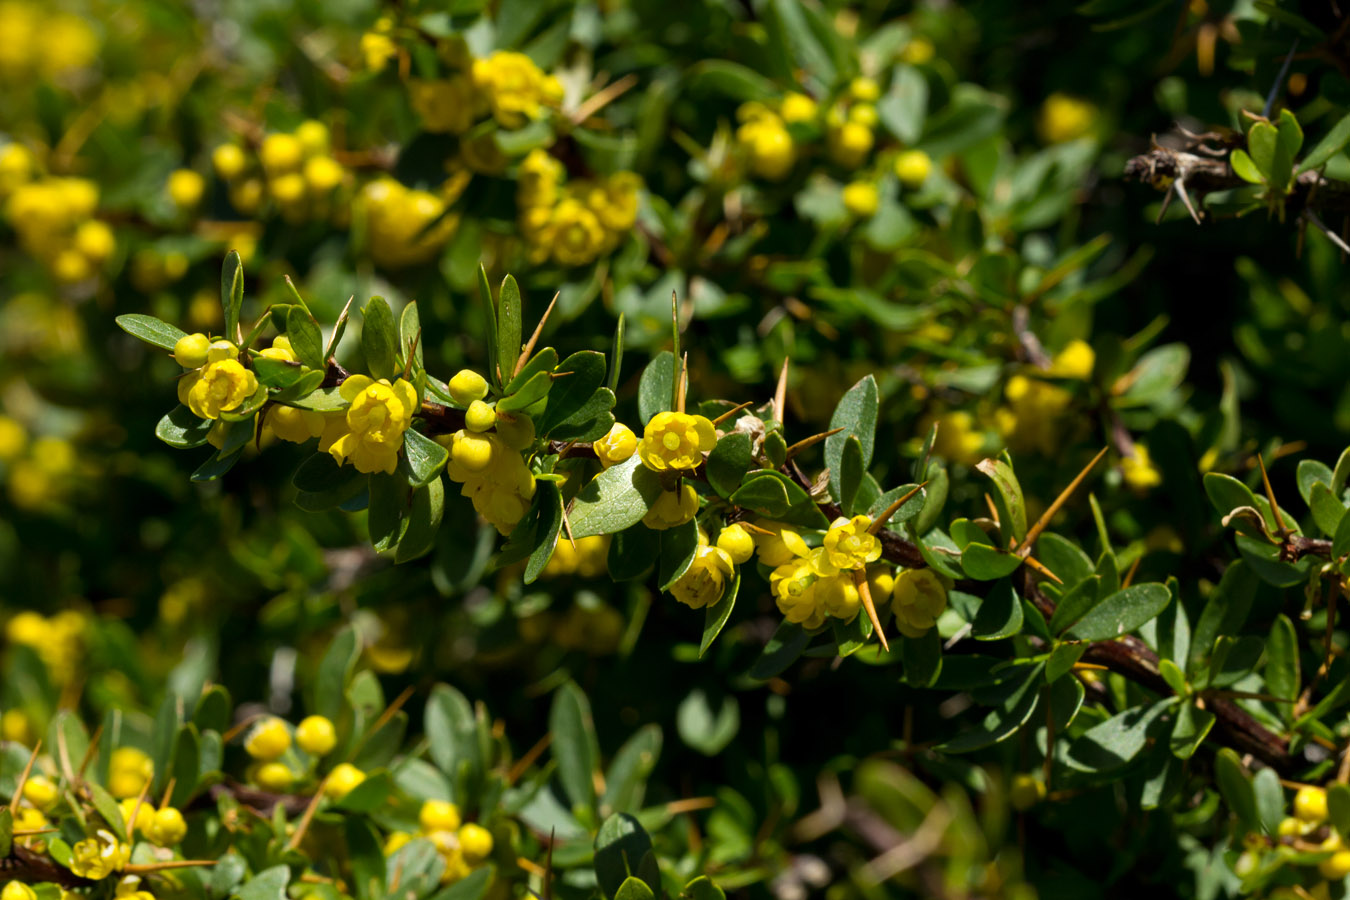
(737, 543)
(794, 589)
(703, 582)
(676, 441)
(617, 446)
(17, 890)
(447, 105)
(295, 425)
(316, 735)
(98, 857)
(958, 438)
(129, 769)
(1139, 471)
(615, 201)
(217, 387)
(343, 780)
(1064, 118)
(438, 815)
(128, 888)
(849, 546)
(516, 89)
(13, 439)
(165, 827)
(838, 596)
(377, 49)
(767, 147)
(378, 416)
(268, 739)
(783, 545)
(918, 598)
(672, 508)
(575, 234)
(1074, 361)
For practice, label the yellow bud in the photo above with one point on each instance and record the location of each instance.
(912, 168)
(438, 815)
(41, 791)
(185, 188)
(479, 417)
(229, 161)
(472, 452)
(468, 386)
(221, 350)
(281, 153)
(737, 543)
(274, 776)
(316, 735)
(343, 780)
(313, 137)
(1336, 866)
(166, 827)
(95, 241)
(17, 890)
(268, 740)
(865, 90)
(1310, 804)
(190, 351)
(861, 199)
(1026, 791)
(475, 842)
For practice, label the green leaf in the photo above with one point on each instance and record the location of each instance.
(547, 528)
(1227, 493)
(715, 618)
(509, 326)
(678, 546)
(473, 886)
(216, 465)
(364, 855)
(151, 330)
(269, 884)
(592, 422)
(1235, 787)
(1245, 168)
(731, 80)
(452, 741)
(107, 809)
(728, 462)
(545, 360)
(1225, 612)
(1327, 510)
(180, 428)
(410, 346)
(277, 373)
(850, 474)
(423, 521)
(782, 650)
(1263, 146)
(186, 765)
(1012, 508)
(634, 888)
(1192, 725)
(1122, 612)
(922, 658)
(999, 615)
(1062, 660)
(984, 563)
(369, 795)
(335, 671)
(632, 552)
(529, 393)
(1115, 742)
(6, 831)
(703, 889)
(423, 457)
(232, 292)
(1282, 664)
(490, 317)
(306, 339)
(1338, 807)
(1075, 603)
(1269, 796)
(1340, 541)
(572, 392)
(1002, 722)
(574, 746)
(321, 400)
(856, 414)
(379, 339)
(1334, 142)
(656, 385)
(615, 357)
(620, 844)
(625, 782)
(616, 499)
(390, 498)
(704, 728)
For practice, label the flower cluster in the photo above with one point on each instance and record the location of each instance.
(54, 217)
(485, 455)
(218, 382)
(59, 641)
(294, 171)
(586, 557)
(41, 42)
(704, 582)
(406, 227)
(572, 223)
(463, 846)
